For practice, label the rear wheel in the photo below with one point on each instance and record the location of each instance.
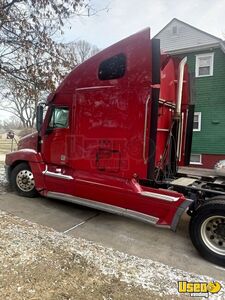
(22, 180)
(207, 230)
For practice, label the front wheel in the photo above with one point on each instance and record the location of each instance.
(22, 180)
(207, 230)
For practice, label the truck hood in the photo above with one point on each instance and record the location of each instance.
(28, 141)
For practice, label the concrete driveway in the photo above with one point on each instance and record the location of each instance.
(120, 233)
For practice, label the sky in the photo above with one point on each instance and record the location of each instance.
(125, 17)
(117, 19)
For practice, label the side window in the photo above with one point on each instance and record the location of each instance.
(197, 121)
(196, 159)
(204, 65)
(59, 118)
(112, 68)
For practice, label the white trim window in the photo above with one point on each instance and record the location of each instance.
(196, 159)
(204, 65)
(197, 121)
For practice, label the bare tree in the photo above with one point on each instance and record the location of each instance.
(21, 101)
(11, 123)
(21, 96)
(30, 25)
(31, 61)
(82, 50)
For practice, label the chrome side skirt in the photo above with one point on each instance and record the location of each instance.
(105, 207)
(160, 196)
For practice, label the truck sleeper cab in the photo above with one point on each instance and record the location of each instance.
(105, 138)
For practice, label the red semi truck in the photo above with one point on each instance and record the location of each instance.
(114, 133)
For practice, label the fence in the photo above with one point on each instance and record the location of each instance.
(7, 145)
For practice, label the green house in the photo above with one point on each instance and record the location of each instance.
(206, 62)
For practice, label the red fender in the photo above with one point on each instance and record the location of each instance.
(34, 160)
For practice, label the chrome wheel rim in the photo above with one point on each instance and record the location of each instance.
(213, 234)
(25, 180)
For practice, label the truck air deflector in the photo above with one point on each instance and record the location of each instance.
(154, 107)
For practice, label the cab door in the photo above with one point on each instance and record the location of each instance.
(55, 139)
(55, 150)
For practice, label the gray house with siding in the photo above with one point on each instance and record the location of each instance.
(206, 61)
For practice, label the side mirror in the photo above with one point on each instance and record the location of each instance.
(39, 117)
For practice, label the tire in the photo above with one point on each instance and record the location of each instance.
(22, 181)
(207, 230)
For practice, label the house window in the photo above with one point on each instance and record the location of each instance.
(197, 121)
(196, 159)
(204, 65)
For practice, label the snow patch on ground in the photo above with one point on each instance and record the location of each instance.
(3, 180)
(24, 240)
